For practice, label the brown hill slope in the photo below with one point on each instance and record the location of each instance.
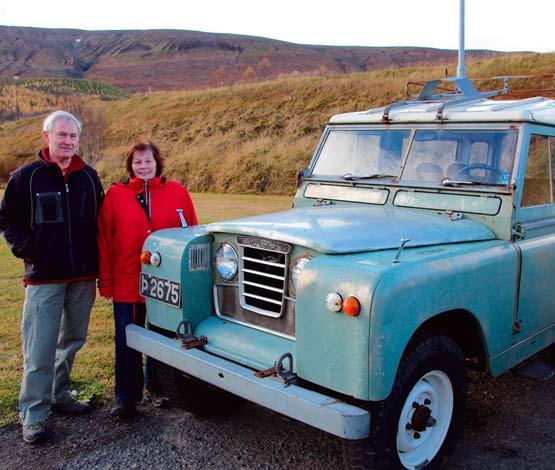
(243, 139)
(173, 60)
(33, 96)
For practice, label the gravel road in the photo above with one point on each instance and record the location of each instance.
(510, 424)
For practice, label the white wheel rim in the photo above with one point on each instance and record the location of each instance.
(434, 393)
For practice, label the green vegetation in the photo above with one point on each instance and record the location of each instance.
(93, 372)
(61, 86)
(28, 97)
(250, 138)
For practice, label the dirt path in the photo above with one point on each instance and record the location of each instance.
(510, 425)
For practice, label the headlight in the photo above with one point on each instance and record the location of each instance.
(226, 262)
(298, 267)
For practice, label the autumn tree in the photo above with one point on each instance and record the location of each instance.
(220, 75)
(92, 118)
(249, 75)
(264, 68)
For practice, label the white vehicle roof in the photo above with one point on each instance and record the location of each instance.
(537, 110)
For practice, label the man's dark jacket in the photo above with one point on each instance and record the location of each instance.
(51, 222)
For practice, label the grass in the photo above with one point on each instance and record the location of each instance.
(212, 207)
(93, 370)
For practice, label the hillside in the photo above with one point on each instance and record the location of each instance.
(176, 60)
(26, 97)
(242, 139)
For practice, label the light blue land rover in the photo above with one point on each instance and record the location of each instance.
(421, 243)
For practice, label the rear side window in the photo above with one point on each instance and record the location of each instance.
(539, 178)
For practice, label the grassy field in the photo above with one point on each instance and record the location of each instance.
(93, 370)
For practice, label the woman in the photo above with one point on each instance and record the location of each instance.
(130, 212)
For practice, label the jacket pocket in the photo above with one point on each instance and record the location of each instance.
(49, 208)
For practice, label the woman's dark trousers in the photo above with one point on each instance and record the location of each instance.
(129, 362)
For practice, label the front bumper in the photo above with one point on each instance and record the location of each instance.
(318, 410)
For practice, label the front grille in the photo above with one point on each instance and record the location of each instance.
(263, 275)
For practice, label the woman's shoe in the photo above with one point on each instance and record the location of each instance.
(124, 409)
(159, 401)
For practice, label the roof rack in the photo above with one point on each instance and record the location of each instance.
(464, 92)
(506, 79)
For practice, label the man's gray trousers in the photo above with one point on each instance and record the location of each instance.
(53, 328)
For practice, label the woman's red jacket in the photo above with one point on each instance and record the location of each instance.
(123, 226)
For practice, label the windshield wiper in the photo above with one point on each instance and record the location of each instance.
(449, 182)
(350, 176)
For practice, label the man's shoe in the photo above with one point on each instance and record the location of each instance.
(74, 408)
(124, 409)
(34, 433)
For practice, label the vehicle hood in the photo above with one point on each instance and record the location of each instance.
(347, 229)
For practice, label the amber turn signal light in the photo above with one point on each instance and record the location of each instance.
(145, 257)
(351, 306)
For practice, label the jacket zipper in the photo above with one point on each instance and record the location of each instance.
(69, 230)
(147, 199)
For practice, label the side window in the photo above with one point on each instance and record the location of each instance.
(538, 183)
(552, 156)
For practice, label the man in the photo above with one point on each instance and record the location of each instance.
(48, 217)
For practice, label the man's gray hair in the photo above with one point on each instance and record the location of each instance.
(51, 119)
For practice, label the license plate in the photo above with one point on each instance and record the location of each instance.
(160, 289)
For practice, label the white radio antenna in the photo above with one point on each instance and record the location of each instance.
(461, 70)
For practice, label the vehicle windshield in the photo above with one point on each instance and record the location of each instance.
(482, 157)
(359, 153)
(445, 157)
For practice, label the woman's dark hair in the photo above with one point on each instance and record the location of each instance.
(141, 147)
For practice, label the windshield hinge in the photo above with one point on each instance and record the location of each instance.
(519, 232)
(453, 215)
(323, 202)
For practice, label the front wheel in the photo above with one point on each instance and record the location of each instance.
(416, 426)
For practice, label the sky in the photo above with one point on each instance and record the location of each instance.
(504, 25)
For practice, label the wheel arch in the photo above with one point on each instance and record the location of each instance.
(464, 328)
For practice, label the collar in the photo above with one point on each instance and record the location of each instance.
(139, 183)
(76, 163)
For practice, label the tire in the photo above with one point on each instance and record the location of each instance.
(417, 425)
(550, 355)
(193, 395)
